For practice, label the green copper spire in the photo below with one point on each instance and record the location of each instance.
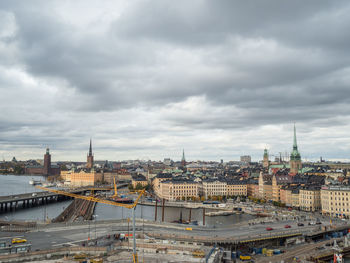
(295, 155)
(266, 153)
(295, 146)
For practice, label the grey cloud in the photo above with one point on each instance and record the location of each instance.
(254, 63)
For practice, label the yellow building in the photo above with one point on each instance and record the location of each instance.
(214, 188)
(176, 190)
(286, 195)
(268, 193)
(295, 198)
(235, 188)
(78, 179)
(335, 201)
(310, 199)
(65, 175)
(139, 180)
(157, 180)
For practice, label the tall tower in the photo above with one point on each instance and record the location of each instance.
(47, 162)
(183, 160)
(266, 159)
(90, 158)
(295, 159)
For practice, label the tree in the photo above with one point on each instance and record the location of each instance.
(139, 186)
(202, 199)
(131, 188)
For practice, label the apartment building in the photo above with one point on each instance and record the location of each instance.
(214, 187)
(310, 198)
(157, 180)
(335, 201)
(178, 189)
(234, 188)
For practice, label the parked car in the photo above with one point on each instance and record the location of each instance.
(300, 224)
(269, 228)
(287, 226)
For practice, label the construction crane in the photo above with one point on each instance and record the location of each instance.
(108, 202)
(115, 189)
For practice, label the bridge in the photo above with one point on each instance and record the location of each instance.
(13, 202)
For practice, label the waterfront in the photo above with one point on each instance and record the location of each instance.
(12, 184)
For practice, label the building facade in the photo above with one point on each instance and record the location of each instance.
(335, 201)
(177, 190)
(235, 188)
(82, 178)
(310, 199)
(214, 187)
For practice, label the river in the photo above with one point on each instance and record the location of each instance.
(12, 184)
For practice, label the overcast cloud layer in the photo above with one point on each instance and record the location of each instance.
(145, 79)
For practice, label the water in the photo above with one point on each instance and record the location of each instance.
(19, 184)
(170, 214)
(12, 184)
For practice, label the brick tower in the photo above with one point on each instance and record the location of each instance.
(47, 162)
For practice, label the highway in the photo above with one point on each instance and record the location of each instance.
(72, 235)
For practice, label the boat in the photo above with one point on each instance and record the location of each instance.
(33, 182)
(221, 213)
(48, 184)
(122, 200)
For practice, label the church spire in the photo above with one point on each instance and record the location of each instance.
(183, 155)
(90, 149)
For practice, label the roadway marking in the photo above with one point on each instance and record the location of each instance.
(11, 237)
(71, 243)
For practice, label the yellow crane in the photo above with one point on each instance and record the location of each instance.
(108, 202)
(115, 189)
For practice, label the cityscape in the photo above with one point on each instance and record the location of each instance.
(174, 131)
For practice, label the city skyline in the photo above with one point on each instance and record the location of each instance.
(147, 79)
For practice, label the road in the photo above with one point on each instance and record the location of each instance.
(62, 235)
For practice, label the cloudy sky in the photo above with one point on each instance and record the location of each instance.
(146, 79)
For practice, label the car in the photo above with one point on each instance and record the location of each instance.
(34, 194)
(287, 226)
(300, 224)
(269, 228)
(18, 240)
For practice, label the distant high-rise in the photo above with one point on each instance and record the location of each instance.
(90, 158)
(246, 158)
(295, 159)
(47, 162)
(266, 159)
